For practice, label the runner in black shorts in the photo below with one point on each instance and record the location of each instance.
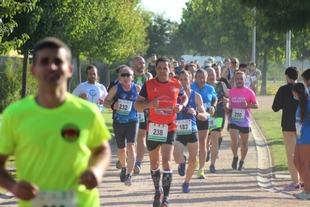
(241, 100)
(217, 121)
(161, 94)
(121, 99)
(139, 78)
(209, 98)
(187, 131)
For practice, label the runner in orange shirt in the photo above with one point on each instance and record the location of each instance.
(161, 94)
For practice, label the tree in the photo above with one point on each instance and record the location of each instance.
(282, 15)
(9, 8)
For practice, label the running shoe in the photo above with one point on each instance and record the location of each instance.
(185, 188)
(158, 197)
(137, 168)
(118, 165)
(292, 187)
(212, 169)
(201, 174)
(182, 167)
(241, 166)
(234, 163)
(303, 195)
(128, 180)
(208, 156)
(123, 176)
(165, 202)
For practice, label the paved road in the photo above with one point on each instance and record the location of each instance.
(256, 186)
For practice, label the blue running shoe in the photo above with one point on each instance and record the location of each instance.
(185, 188)
(182, 167)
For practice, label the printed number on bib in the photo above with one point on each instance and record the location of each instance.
(124, 107)
(238, 114)
(141, 117)
(158, 132)
(184, 126)
(212, 122)
(55, 199)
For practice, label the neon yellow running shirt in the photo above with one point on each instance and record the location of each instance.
(52, 146)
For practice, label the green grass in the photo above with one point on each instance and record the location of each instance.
(270, 124)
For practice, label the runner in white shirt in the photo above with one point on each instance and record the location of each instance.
(91, 90)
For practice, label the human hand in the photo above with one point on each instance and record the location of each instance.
(177, 108)
(244, 104)
(116, 105)
(84, 96)
(24, 190)
(211, 110)
(154, 103)
(89, 179)
(101, 100)
(191, 111)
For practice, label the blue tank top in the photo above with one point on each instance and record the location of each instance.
(184, 115)
(207, 93)
(126, 111)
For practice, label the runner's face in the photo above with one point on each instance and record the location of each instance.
(52, 68)
(185, 81)
(211, 76)
(139, 65)
(162, 70)
(239, 79)
(201, 79)
(92, 76)
(126, 77)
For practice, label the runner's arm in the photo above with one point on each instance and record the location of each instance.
(202, 115)
(98, 164)
(22, 190)
(108, 101)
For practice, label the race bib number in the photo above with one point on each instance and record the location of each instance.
(212, 122)
(141, 117)
(298, 129)
(158, 132)
(124, 107)
(184, 126)
(238, 114)
(55, 199)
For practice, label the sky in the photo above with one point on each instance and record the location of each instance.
(172, 8)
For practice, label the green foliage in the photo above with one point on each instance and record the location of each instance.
(9, 9)
(10, 82)
(160, 35)
(282, 15)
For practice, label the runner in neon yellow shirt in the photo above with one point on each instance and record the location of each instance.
(59, 141)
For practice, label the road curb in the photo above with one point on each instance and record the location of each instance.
(265, 175)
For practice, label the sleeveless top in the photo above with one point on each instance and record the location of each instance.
(184, 115)
(126, 111)
(167, 94)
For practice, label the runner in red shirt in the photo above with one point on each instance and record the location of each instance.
(161, 95)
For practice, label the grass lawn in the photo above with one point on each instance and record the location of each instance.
(270, 124)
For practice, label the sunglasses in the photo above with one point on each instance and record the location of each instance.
(126, 75)
(234, 62)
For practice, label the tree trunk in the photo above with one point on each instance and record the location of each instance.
(24, 75)
(263, 90)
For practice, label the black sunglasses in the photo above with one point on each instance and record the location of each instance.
(233, 62)
(126, 74)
